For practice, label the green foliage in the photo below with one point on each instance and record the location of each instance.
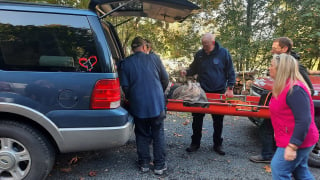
(245, 27)
(299, 20)
(170, 40)
(248, 27)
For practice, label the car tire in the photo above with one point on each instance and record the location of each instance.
(264, 100)
(314, 157)
(25, 153)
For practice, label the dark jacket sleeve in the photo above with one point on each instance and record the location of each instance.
(124, 81)
(304, 73)
(299, 103)
(163, 75)
(194, 66)
(231, 76)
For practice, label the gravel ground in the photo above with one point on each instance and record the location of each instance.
(240, 142)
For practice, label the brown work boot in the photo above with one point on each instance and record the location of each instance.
(218, 149)
(259, 159)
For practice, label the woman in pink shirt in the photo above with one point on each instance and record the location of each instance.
(292, 117)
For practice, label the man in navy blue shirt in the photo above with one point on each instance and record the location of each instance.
(214, 67)
(143, 79)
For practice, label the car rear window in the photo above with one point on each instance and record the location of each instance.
(31, 41)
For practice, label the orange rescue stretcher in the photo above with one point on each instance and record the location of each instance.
(239, 105)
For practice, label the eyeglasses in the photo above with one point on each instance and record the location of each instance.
(276, 48)
(276, 57)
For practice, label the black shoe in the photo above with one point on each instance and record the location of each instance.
(218, 149)
(160, 171)
(259, 159)
(192, 148)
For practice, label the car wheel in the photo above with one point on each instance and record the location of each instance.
(314, 157)
(25, 153)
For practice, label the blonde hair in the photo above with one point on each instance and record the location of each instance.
(287, 69)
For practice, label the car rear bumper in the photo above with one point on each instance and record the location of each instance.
(94, 138)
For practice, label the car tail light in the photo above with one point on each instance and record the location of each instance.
(106, 94)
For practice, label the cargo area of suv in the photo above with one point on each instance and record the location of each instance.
(59, 88)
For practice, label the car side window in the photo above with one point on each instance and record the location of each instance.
(31, 41)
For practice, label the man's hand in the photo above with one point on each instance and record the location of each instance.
(183, 73)
(290, 153)
(229, 93)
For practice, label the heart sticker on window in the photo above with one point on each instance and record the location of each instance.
(88, 63)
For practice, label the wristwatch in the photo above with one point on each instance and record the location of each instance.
(230, 88)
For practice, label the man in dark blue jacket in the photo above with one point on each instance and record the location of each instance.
(143, 80)
(214, 67)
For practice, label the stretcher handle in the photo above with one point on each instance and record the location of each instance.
(235, 97)
(217, 103)
(252, 109)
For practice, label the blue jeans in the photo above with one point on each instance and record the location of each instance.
(282, 169)
(267, 140)
(146, 131)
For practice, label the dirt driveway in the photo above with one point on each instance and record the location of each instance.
(240, 142)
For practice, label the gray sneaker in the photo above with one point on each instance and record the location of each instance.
(144, 167)
(259, 159)
(161, 170)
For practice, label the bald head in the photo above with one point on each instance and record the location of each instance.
(208, 37)
(208, 41)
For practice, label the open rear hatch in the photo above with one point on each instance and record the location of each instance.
(164, 10)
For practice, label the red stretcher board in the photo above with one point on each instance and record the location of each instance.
(239, 105)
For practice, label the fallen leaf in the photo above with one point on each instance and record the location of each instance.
(178, 135)
(186, 122)
(66, 170)
(267, 168)
(74, 160)
(92, 173)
